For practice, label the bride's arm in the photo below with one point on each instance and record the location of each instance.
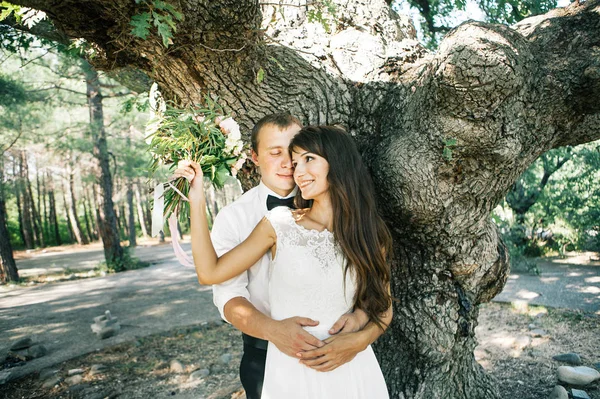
(210, 268)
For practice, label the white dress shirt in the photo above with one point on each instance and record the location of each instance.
(232, 226)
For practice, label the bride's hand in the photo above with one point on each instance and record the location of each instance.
(193, 173)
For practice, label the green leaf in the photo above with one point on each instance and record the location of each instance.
(164, 30)
(141, 25)
(9, 9)
(447, 154)
(260, 75)
(450, 141)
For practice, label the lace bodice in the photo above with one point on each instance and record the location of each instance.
(306, 276)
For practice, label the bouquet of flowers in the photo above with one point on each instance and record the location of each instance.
(201, 133)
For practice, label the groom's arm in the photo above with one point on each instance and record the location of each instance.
(288, 335)
(233, 300)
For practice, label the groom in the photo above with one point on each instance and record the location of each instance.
(243, 300)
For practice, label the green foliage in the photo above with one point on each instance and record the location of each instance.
(565, 215)
(323, 12)
(192, 133)
(159, 14)
(8, 9)
(439, 16)
(12, 93)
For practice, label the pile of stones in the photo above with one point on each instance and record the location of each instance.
(20, 351)
(106, 326)
(573, 378)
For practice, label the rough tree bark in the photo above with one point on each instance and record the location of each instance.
(8, 267)
(445, 134)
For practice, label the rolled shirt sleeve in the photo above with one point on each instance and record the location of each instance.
(225, 236)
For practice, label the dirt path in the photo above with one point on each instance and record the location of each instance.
(146, 301)
(572, 283)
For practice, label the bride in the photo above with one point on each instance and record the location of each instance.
(328, 257)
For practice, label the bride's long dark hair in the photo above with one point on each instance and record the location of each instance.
(357, 226)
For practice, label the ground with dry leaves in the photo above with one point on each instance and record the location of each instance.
(517, 357)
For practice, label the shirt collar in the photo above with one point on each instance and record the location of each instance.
(264, 191)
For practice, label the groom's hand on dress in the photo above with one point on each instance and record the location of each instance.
(338, 350)
(290, 338)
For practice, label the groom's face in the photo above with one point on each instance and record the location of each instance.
(273, 158)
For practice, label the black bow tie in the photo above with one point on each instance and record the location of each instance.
(273, 202)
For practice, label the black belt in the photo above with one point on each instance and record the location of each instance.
(256, 343)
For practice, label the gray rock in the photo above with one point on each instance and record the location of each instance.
(23, 343)
(50, 383)
(559, 392)
(579, 394)
(74, 372)
(532, 326)
(538, 332)
(97, 369)
(74, 380)
(199, 374)
(47, 373)
(4, 377)
(577, 375)
(570, 358)
(176, 366)
(36, 351)
(108, 332)
(98, 326)
(225, 358)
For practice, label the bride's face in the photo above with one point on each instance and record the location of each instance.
(310, 173)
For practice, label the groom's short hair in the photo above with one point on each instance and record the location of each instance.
(281, 119)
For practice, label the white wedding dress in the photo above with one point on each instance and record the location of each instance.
(307, 279)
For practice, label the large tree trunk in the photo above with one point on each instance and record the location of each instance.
(107, 223)
(52, 213)
(445, 134)
(8, 267)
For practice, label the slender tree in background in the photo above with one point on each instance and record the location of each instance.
(444, 134)
(53, 222)
(8, 267)
(107, 221)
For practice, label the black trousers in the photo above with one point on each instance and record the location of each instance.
(252, 367)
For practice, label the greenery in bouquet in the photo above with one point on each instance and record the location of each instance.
(201, 133)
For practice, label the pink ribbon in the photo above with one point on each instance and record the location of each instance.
(180, 254)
